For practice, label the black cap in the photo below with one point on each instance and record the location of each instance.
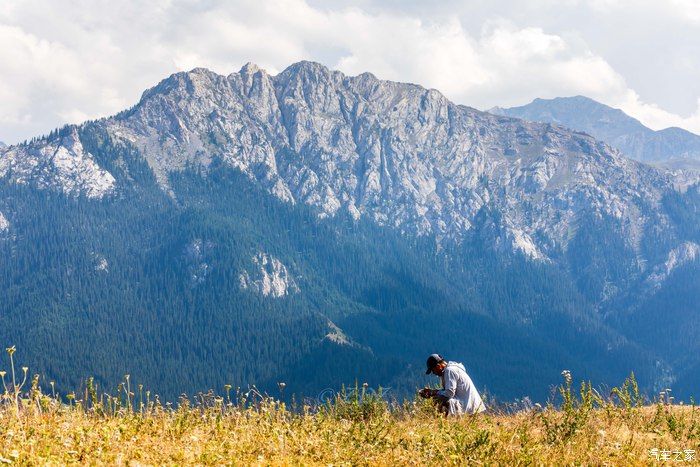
(433, 360)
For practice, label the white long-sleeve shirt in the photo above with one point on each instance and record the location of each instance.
(459, 391)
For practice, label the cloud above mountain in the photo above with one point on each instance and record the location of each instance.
(67, 61)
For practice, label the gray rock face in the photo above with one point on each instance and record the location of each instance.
(397, 153)
(671, 145)
(59, 163)
(4, 223)
(684, 172)
(336, 335)
(268, 277)
(682, 254)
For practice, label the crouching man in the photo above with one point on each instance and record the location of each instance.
(458, 395)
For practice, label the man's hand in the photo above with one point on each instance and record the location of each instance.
(425, 393)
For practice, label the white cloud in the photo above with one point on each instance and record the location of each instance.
(66, 61)
(655, 117)
(688, 10)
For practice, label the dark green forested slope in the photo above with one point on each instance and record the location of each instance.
(514, 323)
(109, 287)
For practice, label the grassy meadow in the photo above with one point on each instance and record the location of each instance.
(358, 427)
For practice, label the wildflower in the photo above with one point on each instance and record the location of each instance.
(10, 350)
(567, 375)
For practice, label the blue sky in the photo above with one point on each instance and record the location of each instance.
(64, 61)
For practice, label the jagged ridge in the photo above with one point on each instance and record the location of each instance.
(401, 154)
(397, 153)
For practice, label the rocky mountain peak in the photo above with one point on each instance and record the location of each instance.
(250, 68)
(308, 69)
(397, 153)
(185, 83)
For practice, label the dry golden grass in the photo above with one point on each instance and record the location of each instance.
(357, 428)
(359, 431)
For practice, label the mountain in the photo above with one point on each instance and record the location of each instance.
(679, 147)
(673, 149)
(398, 154)
(317, 228)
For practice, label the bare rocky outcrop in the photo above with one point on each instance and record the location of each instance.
(59, 163)
(683, 254)
(268, 277)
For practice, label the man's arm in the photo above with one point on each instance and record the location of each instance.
(448, 392)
